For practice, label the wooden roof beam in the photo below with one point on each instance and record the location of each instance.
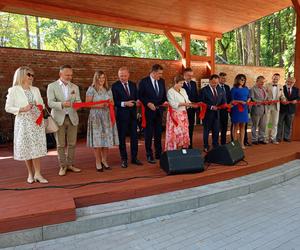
(172, 39)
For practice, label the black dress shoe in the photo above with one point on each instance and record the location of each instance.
(287, 140)
(262, 142)
(124, 164)
(150, 160)
(105, 166)
(247, 144)
(137, 162)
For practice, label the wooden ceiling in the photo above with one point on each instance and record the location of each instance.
(198, 17)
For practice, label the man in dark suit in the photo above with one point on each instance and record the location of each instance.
(287, 111)
(192, 92)
(212, 95)
(125, 96)
(224, 112)
(152, 93)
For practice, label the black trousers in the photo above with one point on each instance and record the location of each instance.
(211, 124)
(223, 125)
(153, 129)
(285, 126)
(123, 127)
(191, 117)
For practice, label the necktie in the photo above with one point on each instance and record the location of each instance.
(274, 85)
(290, 91)
(189, 86)
(215, 93)
(126, 89)
(156, 87)
(222, 86)
(263, 93)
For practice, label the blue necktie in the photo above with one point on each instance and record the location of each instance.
(156, 87)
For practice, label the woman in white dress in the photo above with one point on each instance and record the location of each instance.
(29, 137)
(177, 125)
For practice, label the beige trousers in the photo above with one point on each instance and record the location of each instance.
(271, 124)
(69, 131)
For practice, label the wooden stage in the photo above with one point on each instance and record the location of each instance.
(51, 205)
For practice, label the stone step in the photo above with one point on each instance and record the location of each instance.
(125, 212)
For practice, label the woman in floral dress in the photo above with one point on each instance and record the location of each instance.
(101, 134)
(29, 136)
(177, 130)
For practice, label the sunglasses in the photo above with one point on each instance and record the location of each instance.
(29, 75)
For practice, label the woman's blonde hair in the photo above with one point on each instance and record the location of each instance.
(97, 76)
(20, 75)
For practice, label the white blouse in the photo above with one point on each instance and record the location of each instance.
(174, 98)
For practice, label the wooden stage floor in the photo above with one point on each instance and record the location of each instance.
(50, 205)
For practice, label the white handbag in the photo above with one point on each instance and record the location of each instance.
(50, 124)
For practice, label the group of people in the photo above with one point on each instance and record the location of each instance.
(272, 108)
(182, 101)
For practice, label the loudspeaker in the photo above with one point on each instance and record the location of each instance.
(228, 154)
(182, 161)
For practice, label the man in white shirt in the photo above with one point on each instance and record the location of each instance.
(152, 93)
(61, 94)
(274, 92)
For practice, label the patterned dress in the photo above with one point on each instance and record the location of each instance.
(177, 125)
(100, 132)
(29, 138)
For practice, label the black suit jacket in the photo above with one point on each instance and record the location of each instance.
(147, 94)
(193, 92)
(289, 108)
(120, 95)
(207, 97)
(227, 94)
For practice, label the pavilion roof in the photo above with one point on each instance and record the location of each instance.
(199, 17)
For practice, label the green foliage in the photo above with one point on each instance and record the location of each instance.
(277, 41)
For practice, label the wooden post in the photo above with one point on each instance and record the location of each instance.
(296, 124)
(211, 53)
(186, 46)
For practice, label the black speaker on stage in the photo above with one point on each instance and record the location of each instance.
(182, 161)
(228, 154)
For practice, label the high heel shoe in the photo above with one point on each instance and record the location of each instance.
(99, 167)
(40, 179)
(106, 167)
(30, 179)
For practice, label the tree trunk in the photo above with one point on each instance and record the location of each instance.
(240, 49)
(224, 50)
(27, 32)
(79, 38)
(115, 37)
(257, 51)
(3, 39)
(38, 37)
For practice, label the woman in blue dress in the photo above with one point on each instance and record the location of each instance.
(239, 95)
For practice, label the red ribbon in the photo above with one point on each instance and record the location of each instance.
(171, 113)
(203, 108)
(41, 116)
(143, 114)
(78, 105)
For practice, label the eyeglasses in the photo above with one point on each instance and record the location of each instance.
(29, 75)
